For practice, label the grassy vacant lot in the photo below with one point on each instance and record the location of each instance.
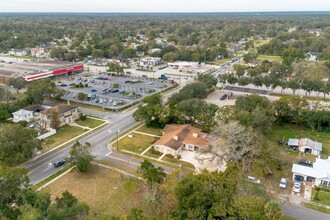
(63, 134)
(292, 131)
(269, 58)
(154, 131)
(324, 197)
(258, 43)
(138, 143)
(89, 122)
(315, 207)
(107, 193)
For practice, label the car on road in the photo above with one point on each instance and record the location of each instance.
(59, 163)
(122, 92)
(93, 90)
(114, 90)
(283, 183)
(101, 101)
(296, 187)
(74, 95)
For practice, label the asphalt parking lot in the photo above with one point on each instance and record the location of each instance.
(111, 92)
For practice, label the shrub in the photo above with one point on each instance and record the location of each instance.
(154, 151)
(23, 123)
(178, 156)
(169, 156)
(83, 117)
(115, 86)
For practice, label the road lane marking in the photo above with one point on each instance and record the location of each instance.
(61, 155)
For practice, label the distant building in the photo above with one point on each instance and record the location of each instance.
(100, 62)
(311, 56)
(306, 145)
(19, 52)
(318, 172)
(183, 66)
(255, 63)
(151, 61)
(177, 138)
(39, 52)
(316, 31)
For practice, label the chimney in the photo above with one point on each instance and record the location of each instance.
(195, 135)
(176, 137)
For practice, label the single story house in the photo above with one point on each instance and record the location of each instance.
(19, 52)
(67, 114)
(22, 115)
(318, 172)
(306, 145)
(181, 137)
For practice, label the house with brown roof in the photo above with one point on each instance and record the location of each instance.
(177, 138)
(67, 114)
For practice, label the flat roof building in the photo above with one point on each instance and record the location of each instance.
(37, 70)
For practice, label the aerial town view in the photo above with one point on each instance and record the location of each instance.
(154, 110)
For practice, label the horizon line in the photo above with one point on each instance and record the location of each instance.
(160, 12)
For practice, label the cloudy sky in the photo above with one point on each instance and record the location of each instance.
(162, 5)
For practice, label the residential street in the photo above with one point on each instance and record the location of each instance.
(302, 213)
(40, 169)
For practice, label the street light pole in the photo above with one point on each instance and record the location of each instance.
(117, 139)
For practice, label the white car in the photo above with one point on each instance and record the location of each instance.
(283, 183)
(101, 101)
(296, 187)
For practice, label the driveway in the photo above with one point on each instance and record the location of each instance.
(202, 161)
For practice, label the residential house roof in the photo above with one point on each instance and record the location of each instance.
(305, 142)
(59, 109)
(176, 135)
(320, 169)
(22, 112)
(33, 108)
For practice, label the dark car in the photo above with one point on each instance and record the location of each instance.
(59, 163)
(223, 97)
(115, 90)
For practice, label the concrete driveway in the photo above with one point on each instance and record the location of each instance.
(202, 161)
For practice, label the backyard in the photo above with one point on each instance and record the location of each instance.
(63, 134)
(106, 192)
(279, 133)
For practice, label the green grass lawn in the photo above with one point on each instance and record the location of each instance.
(315, 207)
(106, 192)
(63, 134)
(136, 144)
(258, 43)
(154, 131)
(324, 197)
(176, 161)
(153, 155)
(89, 122)
(269, 58)
(292, 131)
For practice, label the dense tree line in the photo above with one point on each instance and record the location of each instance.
(186, 106)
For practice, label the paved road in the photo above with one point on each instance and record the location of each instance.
(302, 213)
(40, 169)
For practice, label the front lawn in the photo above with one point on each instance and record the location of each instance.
(89, 122)
(324, 197)
(106, 192)
(138, 143)
(293, 131)
(154, 131)
(63, 134)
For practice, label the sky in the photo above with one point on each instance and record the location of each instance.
(162, 5)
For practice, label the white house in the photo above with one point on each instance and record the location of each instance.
(39, 52)
(318, 172)
(19, 52)
(306, 145)
(22, 115)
